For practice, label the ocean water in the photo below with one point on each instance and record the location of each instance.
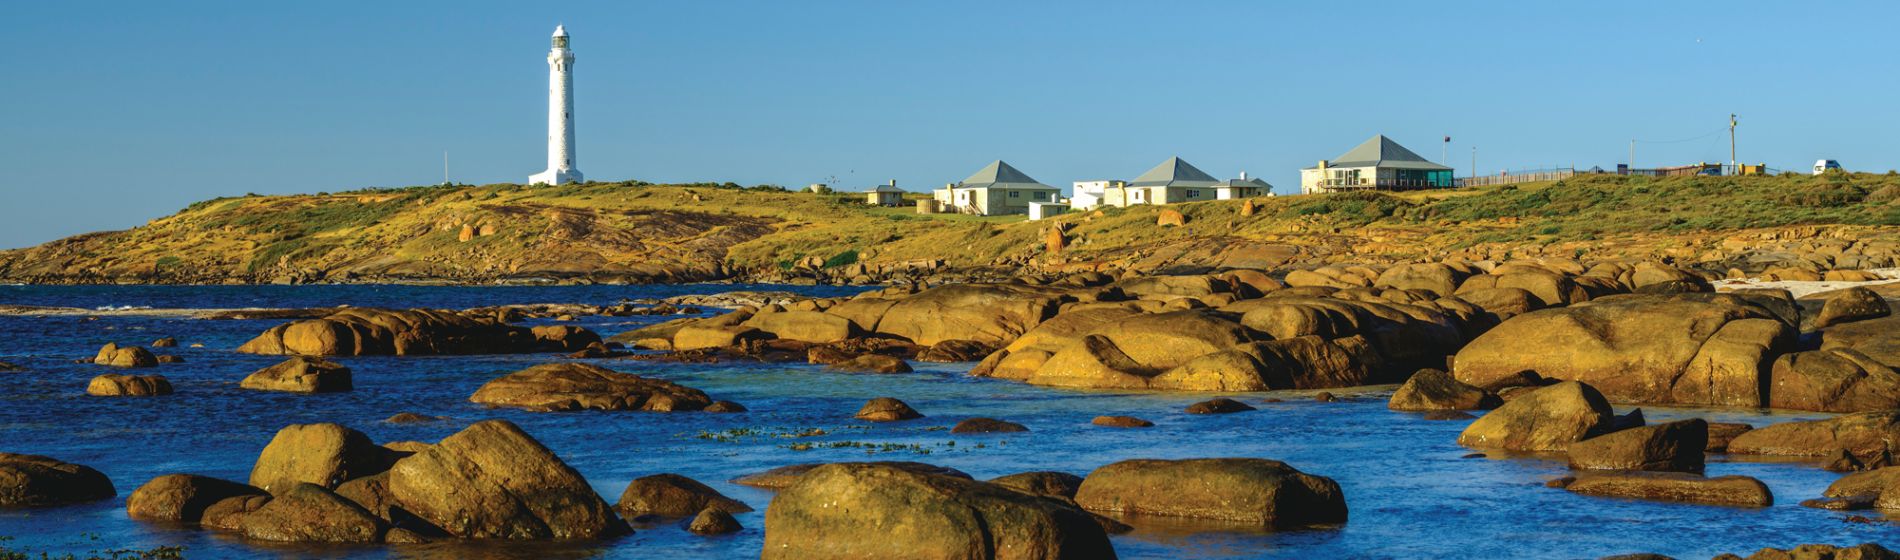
(1410, 492)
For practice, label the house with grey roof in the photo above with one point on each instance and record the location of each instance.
(995, 189)
(1244, 187)
(1175, 180)
(884, 195)
(1376, 164)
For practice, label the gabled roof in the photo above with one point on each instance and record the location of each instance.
(1174, 173)
(1000, 175)
(1382, 152)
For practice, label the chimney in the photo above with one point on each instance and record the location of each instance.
(1243, 175)
(893, 182)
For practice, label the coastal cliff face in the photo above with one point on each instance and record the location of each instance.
(642, 233)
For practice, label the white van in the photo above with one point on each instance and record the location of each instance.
(1826, 165)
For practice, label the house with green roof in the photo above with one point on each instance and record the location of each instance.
(995, 189)
(1376, 164)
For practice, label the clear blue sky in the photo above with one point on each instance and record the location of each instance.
(113, 113)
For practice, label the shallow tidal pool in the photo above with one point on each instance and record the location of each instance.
(1410, 491)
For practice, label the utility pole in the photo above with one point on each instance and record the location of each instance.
(1731, 140)
(1632, 155)
(445, 167)
(1474, 162)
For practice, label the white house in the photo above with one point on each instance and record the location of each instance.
(1088, 194)
(1376, 164)
(1244, 187)
(994, 190)
(1175, 180)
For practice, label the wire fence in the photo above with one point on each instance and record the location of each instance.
(1517, 176)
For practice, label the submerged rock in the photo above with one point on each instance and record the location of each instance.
(1731, 490)
(1547, 419)
(1121, 422)
(672, 495)
(870, 510)
(567, 386)
(1256, 492)
(1221, 405)
(300, 374)
(986, 426)
(36, 480)
(886, 409)
(116, 385)
(714, 521)
(872, 363)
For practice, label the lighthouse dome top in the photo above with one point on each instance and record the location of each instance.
(560, 31)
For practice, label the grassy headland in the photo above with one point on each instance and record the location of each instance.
(631, 231)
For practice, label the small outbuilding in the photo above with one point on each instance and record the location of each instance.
(1244, 187)
(884, 195)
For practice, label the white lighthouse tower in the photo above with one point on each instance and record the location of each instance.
(561, 166)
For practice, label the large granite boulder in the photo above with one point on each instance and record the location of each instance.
(672, 495)
(116, 385)
(1307, 362)
(1022, 357)
(1551, 289)
(322, 454)
(987, 313)
(493, 481)
(1674, 446)
(566, 386)
(1733, 490)
(124, 356)
(1849, 305)
(183, 497)
(1862, 434)
(1838, 380)
(816, 327)
(867, 510)
(300, 374)
(1258, 493)
(385, 332)
(309, 513)
(1431, 389)
(35, 480)
(1125, 354)
(1874, 338)
(1438, 278)
(1701, 349)
(1546, 419)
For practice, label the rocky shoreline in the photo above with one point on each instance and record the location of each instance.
(1542, 351)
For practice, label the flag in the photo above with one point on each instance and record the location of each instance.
(1447, 139)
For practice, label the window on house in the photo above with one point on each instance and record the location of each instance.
(1193, 193)
(1015, 194)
